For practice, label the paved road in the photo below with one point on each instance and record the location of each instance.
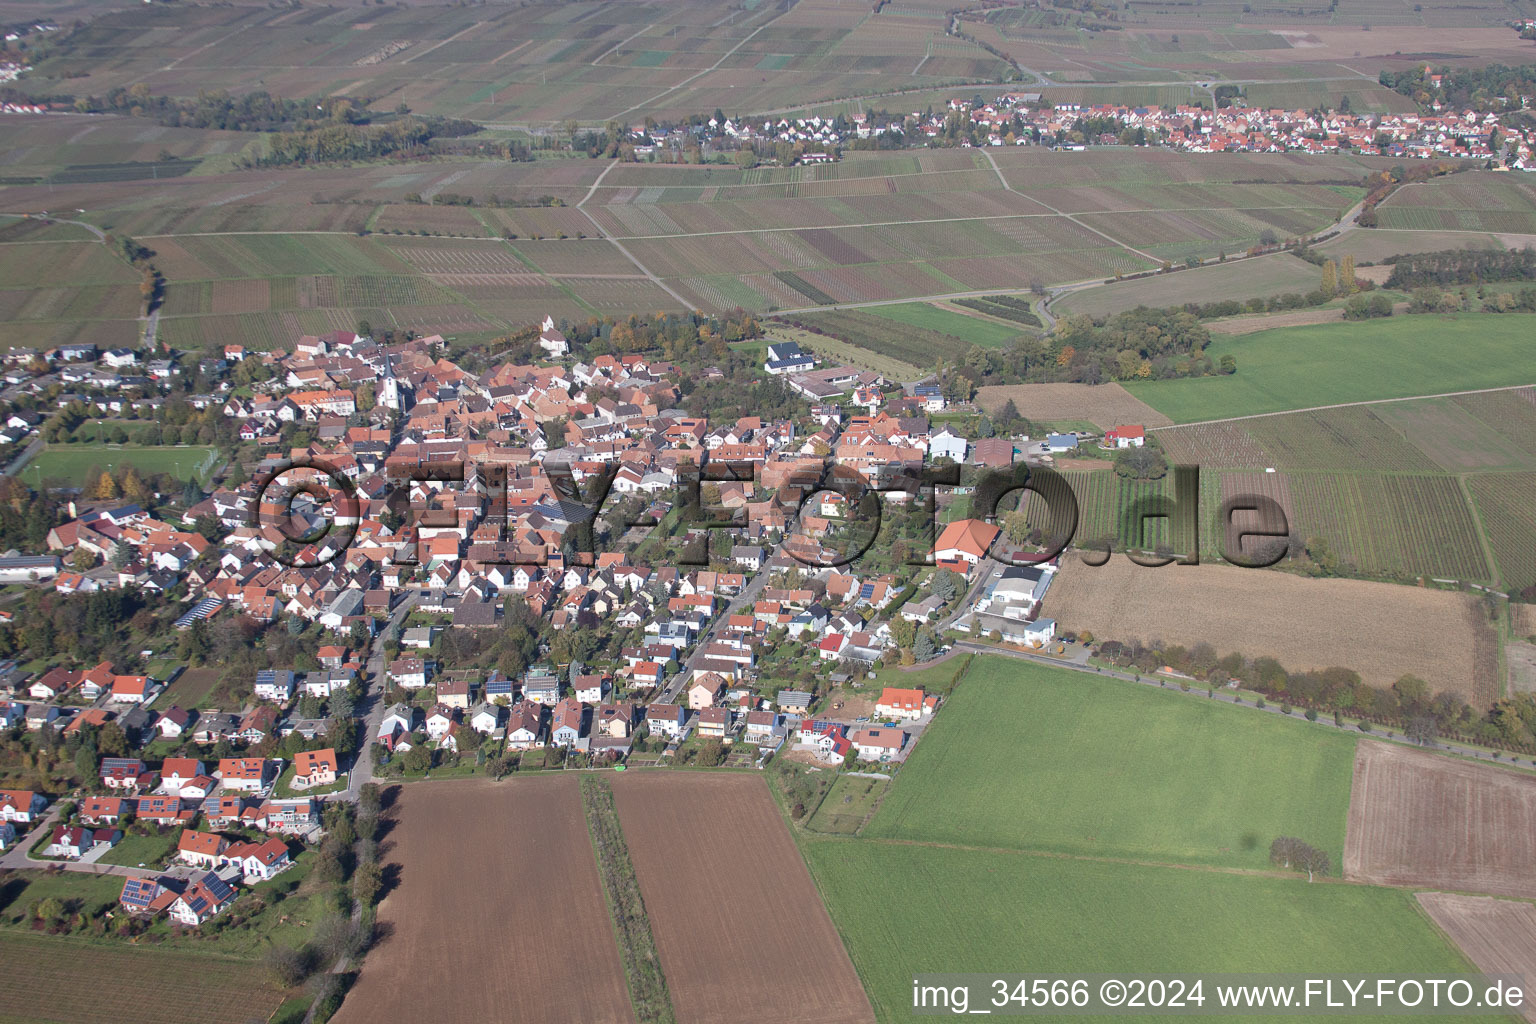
(1163, 682)
(1345, 405)
(28, 453)
(20, 856)
(372, 705)
(740, 603)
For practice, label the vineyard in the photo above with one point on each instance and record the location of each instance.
(914, 345)
(1507, 502)
(1005, 307)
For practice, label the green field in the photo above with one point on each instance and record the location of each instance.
(1328, 364)
(907, 909)
(1028, 756)
(975, 330)
(1239, 279)
(848, 805)
(71, 462)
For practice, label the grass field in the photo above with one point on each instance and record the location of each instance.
(1004, 911)
(1033, 757)
(1400, 357)
(71, 463)
(848, 804)
(986, 333)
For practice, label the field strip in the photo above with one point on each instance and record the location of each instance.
(788, 6)
(1214, 869)
(983, 293)
(597, 182)
(599, 58)
(936, 220)
(1340, 405)
(444, 42)
(856, 177)
(1087, 227)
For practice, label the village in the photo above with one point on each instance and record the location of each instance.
(452, 515)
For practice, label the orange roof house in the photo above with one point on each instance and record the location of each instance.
(964, 543)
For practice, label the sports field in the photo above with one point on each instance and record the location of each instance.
(1399, 357)
(71, 462)
(1029, 756)
(908, 909)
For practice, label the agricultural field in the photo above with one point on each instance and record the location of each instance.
(70, 981)
(917, 346)
(1475, 201)
(991, 771)
(1103, 405)
(1422, 819)
(1240, 279)
(1306, 367)
(976, 330)
(1507, 502)
(1499, 936)
(191, 688)
(1440, 636)
(741, 860)
(1377, 244)
(992, 910)
(72, 462)
(439, 917)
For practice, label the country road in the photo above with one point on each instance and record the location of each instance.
(372, 705)
(1342, 405)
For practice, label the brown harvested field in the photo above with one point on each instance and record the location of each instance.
(1521, 659)
(499, 912)
(1498, 936)
(1417, 818)
(737, 920)
(1268, 321)
(1381, 630)
(1522, 620)
(1103, 405)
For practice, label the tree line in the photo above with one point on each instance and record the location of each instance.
(1462, 266)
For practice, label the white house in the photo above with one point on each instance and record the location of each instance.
(1129, 436)
(948, 445)
(786, 357)
(878, 744)
(274, 685)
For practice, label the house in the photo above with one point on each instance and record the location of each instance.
(666, 720)
(486, 718)
(551, 340)
(146, 896)
(124, 773)
(21, 805)
(7, 835)
(173, 723)
(761, 726)
(946, 444)
(589, 689)
(614, 720)
(398, 721)
(524, 723)
(70, 842)
(275, 685)
(257, 862)
(1058, 443)
(705, 690)
(290, 816)
(176, 772)
(565, 723)
(878, 744)
(794, 702)
(1039, 633)
(714, 722)
(964, 543)
(164, 810)
(205, 897)
(408, 673)
(441, 721)
(249, 774)
(454, 691)
(541, 687)
(314, 768)
(201, 849)
(1129, 436)
(787, 357)
(129, 689)
(896, 702)
(102, 810)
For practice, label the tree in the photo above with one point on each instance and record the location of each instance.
(286, 966)
(923, 645)
(1141, 464)
(367, 881)
(1422, 729)
(944, 586)
(1347, 274)
(1330, 284)
(1292, 853)
(106, 487)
